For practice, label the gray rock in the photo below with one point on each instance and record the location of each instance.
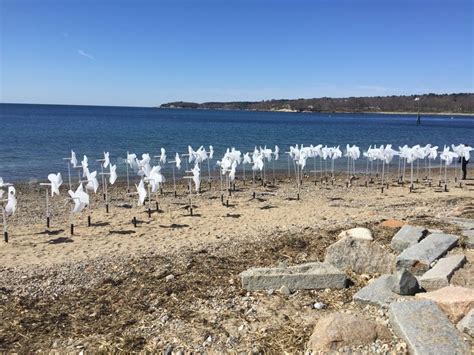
(469, 238)
(301, 277)
(284, 290)
(440, 275)
(407, 236)
(466, 325)
(419, 257)
(404, 283)
(361, 256)
(378, 292)
(464, 223)
(425, 328)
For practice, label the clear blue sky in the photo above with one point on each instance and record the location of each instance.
(143, 53)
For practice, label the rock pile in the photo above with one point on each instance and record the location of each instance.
(426, 322)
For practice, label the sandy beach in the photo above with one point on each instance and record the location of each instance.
(172, 282)
(236, 177)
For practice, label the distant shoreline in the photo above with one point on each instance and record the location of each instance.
(471, 114)
(424, 113)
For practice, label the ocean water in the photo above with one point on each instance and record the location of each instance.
(35, 138)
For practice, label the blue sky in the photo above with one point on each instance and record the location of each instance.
(143, 53)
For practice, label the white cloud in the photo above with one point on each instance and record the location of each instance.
(85, 54)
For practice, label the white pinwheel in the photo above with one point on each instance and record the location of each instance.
(145, 161)
(113, 174)
(433, 153)
(276, 152)
(178, 161)
(200, 155)
(92, 182)
(73, 159)
(85, 165)
(302, 160)
(141, 192)
(163, 156)
(80, 198)
(196, 176)
(267, 153)
(257, 162)
(106, 162)
(190, 154)
(10, 207)
(132, 161)
(56, 180)
(155, 178)
(448, 156)
(463, 151)
(3, 184)
(247, 159)
(233, 170)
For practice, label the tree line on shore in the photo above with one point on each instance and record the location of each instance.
(432, 103)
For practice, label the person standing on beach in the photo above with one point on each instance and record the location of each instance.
(464, 163)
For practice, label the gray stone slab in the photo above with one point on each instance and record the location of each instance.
(378, 292)
(464, 223)
(407, 236)
(311, 276)
(426, 329)
(419, 257)
(440, 275)
(466, 325)
(361, 256)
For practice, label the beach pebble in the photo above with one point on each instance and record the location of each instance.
(169, 277)
(319, 305)
(284, 290)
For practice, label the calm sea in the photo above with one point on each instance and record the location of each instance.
(35, 138)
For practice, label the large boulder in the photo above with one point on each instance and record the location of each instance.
(339, 329)
(361, 256)
(455, 301)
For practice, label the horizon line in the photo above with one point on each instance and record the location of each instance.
(232, 101)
